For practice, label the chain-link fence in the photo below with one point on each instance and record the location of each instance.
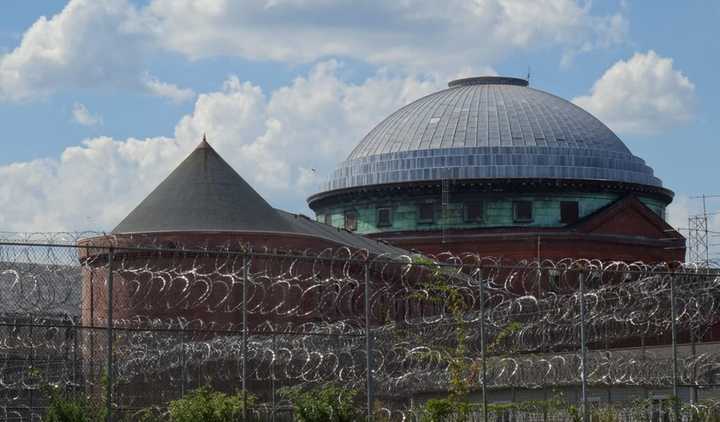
(133, 328)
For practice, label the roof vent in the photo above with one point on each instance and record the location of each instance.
(488, 80)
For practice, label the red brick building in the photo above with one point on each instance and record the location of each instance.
(202, 204)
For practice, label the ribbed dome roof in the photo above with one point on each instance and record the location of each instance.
(486, 128)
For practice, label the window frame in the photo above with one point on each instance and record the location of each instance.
(389, 222)
(350, 227)
(516, 217)
(468, 205)
(327, 219)
(576, 213)
(422, 220)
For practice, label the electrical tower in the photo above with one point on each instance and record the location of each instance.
(699, 233)
(698, 245)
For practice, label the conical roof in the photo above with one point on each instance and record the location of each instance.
(203, 194)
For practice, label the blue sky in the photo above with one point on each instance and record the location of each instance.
(99, 99)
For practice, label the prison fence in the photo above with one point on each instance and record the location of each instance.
(132, 328)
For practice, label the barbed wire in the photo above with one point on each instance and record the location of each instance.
(178, 319)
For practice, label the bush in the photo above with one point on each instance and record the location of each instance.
(67, 410)
(206, 405)
(326, 404)
(437, 410)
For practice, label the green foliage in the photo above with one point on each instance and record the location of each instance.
(701, 412)
(147, 415)
(207, 405)
(441, 290)
(437, 410)
(507, 331)
(448, 409)
(67, 410)
(605, 414)
(327, 404)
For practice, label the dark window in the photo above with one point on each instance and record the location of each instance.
(328, 219)
(426, 213)
(569, 212)
(474, 212)
(384, 217)
(522, 211)
(351, 220)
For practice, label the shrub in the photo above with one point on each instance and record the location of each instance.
(326, 404)
(206, 405)
(61, 409)
(437, 410)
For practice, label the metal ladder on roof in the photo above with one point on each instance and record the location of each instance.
(445, 203)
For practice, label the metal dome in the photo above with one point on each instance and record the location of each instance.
(490, 128)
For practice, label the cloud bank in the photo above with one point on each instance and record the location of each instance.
(642, 95)
(107, 43)
(272, 139)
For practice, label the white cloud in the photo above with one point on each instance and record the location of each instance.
(422, 34)
(643, 95)
(170, 91)
(89, 43)
(105, 43)
(82, 115)
(274, 140)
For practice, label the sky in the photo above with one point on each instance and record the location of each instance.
(101, 99)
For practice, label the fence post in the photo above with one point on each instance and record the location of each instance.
(272, 376)
(693, 351)
(368, 345)
(31, 364)
(92, 330)
(673, 325)
(246, 277)
(583, 348)
(483, 358)
(109, 316)
(76, 362)
(182, 362)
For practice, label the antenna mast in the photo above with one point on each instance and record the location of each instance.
(528, 76)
